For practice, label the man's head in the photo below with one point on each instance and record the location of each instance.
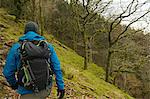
(31, 26)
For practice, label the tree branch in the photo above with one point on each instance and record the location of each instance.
(118, 37)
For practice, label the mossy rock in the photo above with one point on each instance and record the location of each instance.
(10, 17)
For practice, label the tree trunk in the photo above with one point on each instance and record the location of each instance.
(114, 80)
(125, 82)
(18, 5)
(85, 50)
(74, 41)
(90, 52)
(41, 17)
(0, 3)
(108, 66)
(33, 10)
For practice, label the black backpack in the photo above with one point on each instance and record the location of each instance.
(35, 72)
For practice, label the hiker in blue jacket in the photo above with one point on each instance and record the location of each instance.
(13, 64)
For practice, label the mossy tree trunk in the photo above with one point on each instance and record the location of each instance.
(85, 50)
(108, 66)
(74, 41)
(41, 17)
(18, 5)
(33, 10)
(83, 16)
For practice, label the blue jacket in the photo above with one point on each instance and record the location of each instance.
(13, 63)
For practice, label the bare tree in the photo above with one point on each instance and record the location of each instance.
(86, 18)
(115, 20)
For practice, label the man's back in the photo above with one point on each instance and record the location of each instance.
(13, 63)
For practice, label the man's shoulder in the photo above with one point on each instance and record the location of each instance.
(16, 45)
(50, 46)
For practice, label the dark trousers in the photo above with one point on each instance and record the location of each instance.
(41, 95)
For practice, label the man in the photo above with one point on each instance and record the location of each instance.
(13, 64)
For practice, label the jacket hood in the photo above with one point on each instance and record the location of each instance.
(31, 36)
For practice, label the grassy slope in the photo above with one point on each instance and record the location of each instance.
(78, 82)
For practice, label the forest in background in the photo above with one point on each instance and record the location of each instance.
(122, 51)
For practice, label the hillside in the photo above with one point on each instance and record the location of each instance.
(79, 83)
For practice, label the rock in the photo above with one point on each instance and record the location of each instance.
(2, 26)
(10, 17)
(1, 51)
(9, 43)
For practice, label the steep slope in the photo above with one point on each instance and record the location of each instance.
(79, 83)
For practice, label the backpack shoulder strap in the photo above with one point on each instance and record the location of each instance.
(22, 43)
